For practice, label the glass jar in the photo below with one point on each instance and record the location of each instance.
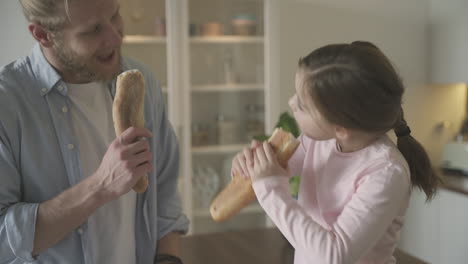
(226, 130)
(254, 125)
(200, 134)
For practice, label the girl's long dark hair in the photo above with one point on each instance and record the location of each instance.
(356, 86)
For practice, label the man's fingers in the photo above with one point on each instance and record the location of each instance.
(132, 134)
(143, 169)
(141, 158)
(139, 146)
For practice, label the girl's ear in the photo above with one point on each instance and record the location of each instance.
(40, 34)
(341, 133)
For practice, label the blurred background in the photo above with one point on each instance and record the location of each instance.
(227, 70)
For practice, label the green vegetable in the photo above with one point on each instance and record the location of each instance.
(294, 183)
(287, 123)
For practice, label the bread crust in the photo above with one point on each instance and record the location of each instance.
(239, 192)
(128, 109)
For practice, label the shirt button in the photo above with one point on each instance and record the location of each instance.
(71, 146)
(44, 90)
(64, 109)
(80, 231)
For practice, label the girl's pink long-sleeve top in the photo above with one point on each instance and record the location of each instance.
(351, 206)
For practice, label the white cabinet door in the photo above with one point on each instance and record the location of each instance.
(154, 35)
(215, 60)
(437, 232)
(448, 37)
(453, 227)
(420, 235)
(229, 99)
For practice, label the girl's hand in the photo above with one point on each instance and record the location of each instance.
(242, 159)
(265, 163)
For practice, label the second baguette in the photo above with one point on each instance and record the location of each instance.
(239, 192)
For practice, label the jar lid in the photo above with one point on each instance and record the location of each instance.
(248, 17)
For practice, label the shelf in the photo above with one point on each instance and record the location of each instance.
(149, 39)
(223, 88)
(235, 87)
(144, 39)
(227, 39)
(216, 149)
(251, 209)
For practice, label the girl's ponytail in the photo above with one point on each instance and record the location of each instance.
(423, 175)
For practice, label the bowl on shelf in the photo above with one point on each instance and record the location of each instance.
(212, 29)
(244, 25)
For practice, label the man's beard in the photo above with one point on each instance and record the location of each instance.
(83, 69)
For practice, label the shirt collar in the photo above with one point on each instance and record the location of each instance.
(46, 76)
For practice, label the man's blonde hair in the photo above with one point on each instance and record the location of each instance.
(51, 14)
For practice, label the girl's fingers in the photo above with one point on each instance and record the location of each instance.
(256, 160)
(251, 167)
(261, 155)
(254, 144)
(243, 163)
(248, 156)
(236, 164)
(269, 153)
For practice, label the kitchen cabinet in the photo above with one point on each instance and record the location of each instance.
(453, 227)
(437, 232)
(215, 60)
(448, 37)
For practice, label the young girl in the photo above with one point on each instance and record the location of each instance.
(355, 183)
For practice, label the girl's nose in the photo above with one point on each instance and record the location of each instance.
(292, 102)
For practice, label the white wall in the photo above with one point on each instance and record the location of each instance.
(403, 37)
(307, 25)
(16, 40)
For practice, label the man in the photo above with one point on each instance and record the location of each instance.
(65, 180)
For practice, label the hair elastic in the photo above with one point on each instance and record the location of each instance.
(403, 132)
(166, 258)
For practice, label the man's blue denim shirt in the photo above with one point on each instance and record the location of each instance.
(39, 159)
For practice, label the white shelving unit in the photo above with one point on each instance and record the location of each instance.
(227, 40)
(143, 39)
(192, 71)
(235, 87)
(219, 149)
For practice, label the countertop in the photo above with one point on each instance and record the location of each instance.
(257, 246)
(455, 182)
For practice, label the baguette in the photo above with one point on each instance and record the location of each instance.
(239, 192)
(128, 109)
